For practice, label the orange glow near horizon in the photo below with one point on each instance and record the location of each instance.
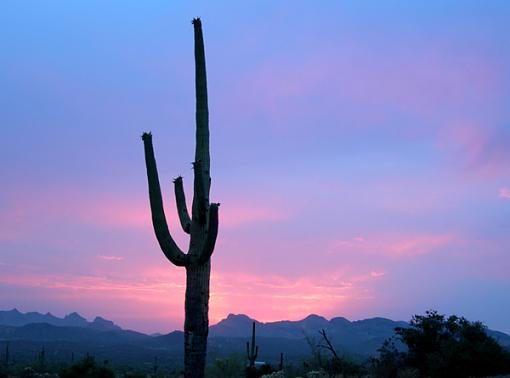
(160, 293)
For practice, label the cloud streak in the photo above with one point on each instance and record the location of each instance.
(110, 258)
(395, 246)
(504, 193)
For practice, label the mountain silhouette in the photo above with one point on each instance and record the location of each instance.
(17, 319)
(73, 334)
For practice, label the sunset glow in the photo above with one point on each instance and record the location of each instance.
(360, 153)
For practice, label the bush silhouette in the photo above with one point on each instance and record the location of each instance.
(443, 347)
(87, 368)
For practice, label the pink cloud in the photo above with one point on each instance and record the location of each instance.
(456, 99)
(125, 214)
(504, 193)
(89, 283)
(110, 211)
(394, 245)
(416, 81)
(110, 258)
(477, 146)
(161, 290)
(119, 298)
(74, 205)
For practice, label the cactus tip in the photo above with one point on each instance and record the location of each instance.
(146, 136)
(196, 21)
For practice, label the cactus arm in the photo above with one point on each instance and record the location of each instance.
(212, 233)
(167, 244)
(256, 353)
(182, 210)
(200, 200)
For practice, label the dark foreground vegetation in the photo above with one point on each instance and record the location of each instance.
(431, 346)
(437, 346)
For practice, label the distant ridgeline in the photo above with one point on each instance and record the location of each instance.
(73, 336)
(17, 319)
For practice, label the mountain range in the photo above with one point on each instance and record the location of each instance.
(73, 336)
(16, 318)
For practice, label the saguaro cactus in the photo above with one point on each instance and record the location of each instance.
(202, 225)
(7, 355)
(252, 355)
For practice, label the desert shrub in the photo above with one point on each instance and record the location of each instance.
(442, 347)
(231, 367)
(87, 368)
(28, 372)
(389, 362)
(258, 371)
(343, 367)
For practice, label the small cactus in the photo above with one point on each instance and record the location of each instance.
(155, 366)
(42, 357)
(252, 355)
(7, 355)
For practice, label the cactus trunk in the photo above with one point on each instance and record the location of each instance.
(196, 324)
(202, 225)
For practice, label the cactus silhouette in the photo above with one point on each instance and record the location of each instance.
(252, 355)
(155, 366)
(42, 358)
(202, 226)
(7, 356)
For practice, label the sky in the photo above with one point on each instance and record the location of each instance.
(360, 152)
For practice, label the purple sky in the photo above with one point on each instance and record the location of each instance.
(360, 151)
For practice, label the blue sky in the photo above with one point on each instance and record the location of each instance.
(360, 153)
